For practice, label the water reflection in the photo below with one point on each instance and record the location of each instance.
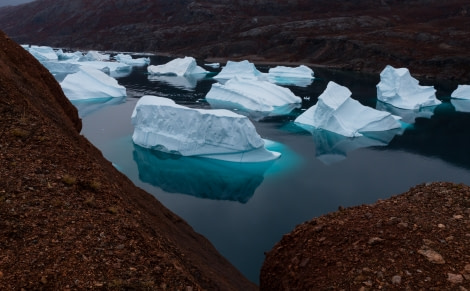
(331, 148)
(298, 82)
(186, 82)
(407, 115)
(88, 106)
(199, 177)
(461, 105)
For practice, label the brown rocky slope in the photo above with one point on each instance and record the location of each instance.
(419, 240)
(68, 218)
(430, 37)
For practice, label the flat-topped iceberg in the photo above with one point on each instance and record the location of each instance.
(301, 76)
(179, 67)
(161, 124)
(90, 83)
(462, 92)
(242, 69)
(398, 88)
(42, 53)
(251, 95)
(128, 60)
(337, 112)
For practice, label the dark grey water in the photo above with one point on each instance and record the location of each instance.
(245, 209)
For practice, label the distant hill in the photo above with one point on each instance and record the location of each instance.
(430, 37)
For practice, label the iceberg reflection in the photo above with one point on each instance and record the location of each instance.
(407, 115)
(461, 105)
(331, 148)
(86, 107)
(186, 82)
(199, 177)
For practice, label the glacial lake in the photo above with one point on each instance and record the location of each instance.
(244, 209)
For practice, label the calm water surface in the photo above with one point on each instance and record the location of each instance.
(245, 209)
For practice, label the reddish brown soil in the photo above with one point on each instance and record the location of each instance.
(68, 219)
(419, 240)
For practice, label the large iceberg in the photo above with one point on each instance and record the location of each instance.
(301, 76)
(462, 92)
(179, 67)
(242, 69)
(90, 83)
(337, 112)
(251, 95)
(161, 124)
(42, 53)
(398, 88)
(128, 60)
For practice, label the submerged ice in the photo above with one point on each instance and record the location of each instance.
(398, 88)
(337, 112)
(161, 124)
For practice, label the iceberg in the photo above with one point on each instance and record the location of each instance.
(94, 56)
(75, 56)
(301, 76)
(242, 69)
(398, 88)
(462, 92)
(213, 65)
(128, 60)
(251, 95)
(114, 69)
(161, 124)
(43, 53)
(337, 112)
(179, 67)
(90, 83)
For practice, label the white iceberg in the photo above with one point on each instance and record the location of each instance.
(301, 71)
(127, 59)
(337, 112)
(114, 69)
(179, 67)
(251, 95)
(90, 83)
(42, 53)
(242, 69)
(462, 92)
(213, 65)
(160, 124)
(398, 88)
(63, 56)
(94, 56)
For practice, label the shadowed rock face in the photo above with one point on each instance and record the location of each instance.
(429, 36)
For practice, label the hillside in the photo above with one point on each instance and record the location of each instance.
(428, 36)
(68, 218)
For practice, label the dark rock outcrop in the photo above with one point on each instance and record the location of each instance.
(68, 218)
(430, 37)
